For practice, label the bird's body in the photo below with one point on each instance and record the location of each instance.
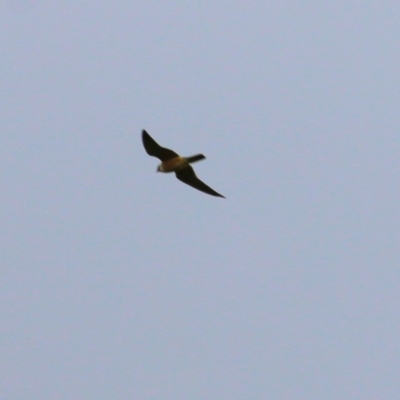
(172, 162)
(172, 165)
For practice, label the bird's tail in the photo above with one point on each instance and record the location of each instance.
(195, 158)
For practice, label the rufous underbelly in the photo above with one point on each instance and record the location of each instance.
(175, 164)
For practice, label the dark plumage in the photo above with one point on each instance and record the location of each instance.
(155, 150)
(172, 162)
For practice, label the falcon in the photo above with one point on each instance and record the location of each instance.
(173, 162)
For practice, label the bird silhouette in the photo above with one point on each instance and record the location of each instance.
(173, 162)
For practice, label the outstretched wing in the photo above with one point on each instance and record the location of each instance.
(188, 176)
(154, 149)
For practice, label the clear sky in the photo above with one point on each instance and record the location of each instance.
(120, 283)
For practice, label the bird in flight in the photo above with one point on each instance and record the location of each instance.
(172, 162)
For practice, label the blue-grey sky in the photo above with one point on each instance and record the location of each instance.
(120, 283)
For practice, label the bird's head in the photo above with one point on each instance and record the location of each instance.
(159, 168)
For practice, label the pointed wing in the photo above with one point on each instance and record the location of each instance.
(188, 176)
(154, 149)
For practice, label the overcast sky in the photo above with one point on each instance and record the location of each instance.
(120, 283)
